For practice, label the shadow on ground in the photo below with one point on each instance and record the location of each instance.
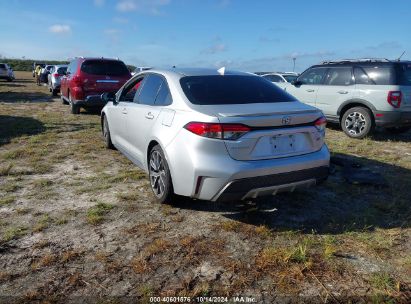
(15, 126)
(334, 207)
(31, 97)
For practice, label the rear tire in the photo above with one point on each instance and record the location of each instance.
(398, 130)
(75, 109)
(106, 134)
(357, 122)
(160, 177)
(53, 92)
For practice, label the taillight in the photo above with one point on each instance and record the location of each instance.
(57, 75)
(217, 131)
(394, 98)
(320, 124)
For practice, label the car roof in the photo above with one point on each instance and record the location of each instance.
(98, 58)
(197, 72)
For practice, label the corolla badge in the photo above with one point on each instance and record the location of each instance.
(286, 120)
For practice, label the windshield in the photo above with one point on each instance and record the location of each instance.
(290, 78)
(232, 89)
(105, 67)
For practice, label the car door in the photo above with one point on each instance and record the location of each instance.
(142, 115)
(306, 86)
(338, 87)
(119, 113)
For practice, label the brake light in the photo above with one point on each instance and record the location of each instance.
(57, 75)
(217, 131)
(394, 98)
(320, 124)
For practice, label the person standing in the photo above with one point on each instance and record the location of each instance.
(38, 74)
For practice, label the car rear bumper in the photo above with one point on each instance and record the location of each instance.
(392, 119)
(249, 188)
(91, 101)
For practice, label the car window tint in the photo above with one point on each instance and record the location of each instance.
(290, 78)
(380, 75)
(2, 66)
(313, 76)
(405, 74)
(104, 67)
(150, 89)
(164, 96)
(232, 89)
(339, 76)
(361, 76)
(61, 70)
(130, 93)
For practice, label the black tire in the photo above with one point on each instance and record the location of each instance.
(54, 92)
(9, 79)
(357, 122)
(63, 100)
(160, 177)
(75, 109)
(398, 130)
(106, 134)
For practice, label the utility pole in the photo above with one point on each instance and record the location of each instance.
(294, 58)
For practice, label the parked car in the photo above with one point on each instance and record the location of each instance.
(359, 94)
(140, 69)
(87, 78)
(215, 137)
(54, 78)
(280, 77)
(6, 72)
(34, 67)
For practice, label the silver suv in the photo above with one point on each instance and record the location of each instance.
(358, 94)
(6, 72)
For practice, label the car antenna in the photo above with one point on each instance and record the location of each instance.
(399, 58)
(221, 71)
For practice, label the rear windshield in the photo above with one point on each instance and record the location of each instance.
(2, 66)
(232, 89)
(104, 67)
(61, 70)
(405, 74)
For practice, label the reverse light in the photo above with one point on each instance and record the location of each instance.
(320, 124)
(394, 98)
(217, 131)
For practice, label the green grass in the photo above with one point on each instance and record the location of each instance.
(14, 233)
(7, 200)
(383, 281)
(95, 215)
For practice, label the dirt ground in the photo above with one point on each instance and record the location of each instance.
(78, 223)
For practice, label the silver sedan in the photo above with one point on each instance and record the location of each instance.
(215, 135)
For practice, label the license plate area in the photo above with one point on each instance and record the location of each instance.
(283, 144)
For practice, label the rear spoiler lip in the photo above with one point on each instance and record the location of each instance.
(307, 124)
(267, 114)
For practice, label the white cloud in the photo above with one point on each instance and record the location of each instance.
(60, 29)
(152, 7)
(99, 3)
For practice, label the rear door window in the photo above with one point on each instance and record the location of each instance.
(361, 76)
(339, 76)
(164, 96)
(232, 89)
(313, 76)
(104, 67)
(151, 87)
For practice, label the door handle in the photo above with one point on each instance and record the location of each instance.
(124, 111)
(149, 115)
(343, 92)
(310, 90)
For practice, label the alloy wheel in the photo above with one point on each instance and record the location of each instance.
(355, 123)
(157, 173)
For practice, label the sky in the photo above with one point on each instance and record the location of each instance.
(259, 35)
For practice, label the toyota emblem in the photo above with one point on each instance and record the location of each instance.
(286, 120)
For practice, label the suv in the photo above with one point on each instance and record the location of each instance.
(87, 78)
(358, 94)
(6, 72)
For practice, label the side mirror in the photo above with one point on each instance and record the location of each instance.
(296, 83)
(109, 96)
